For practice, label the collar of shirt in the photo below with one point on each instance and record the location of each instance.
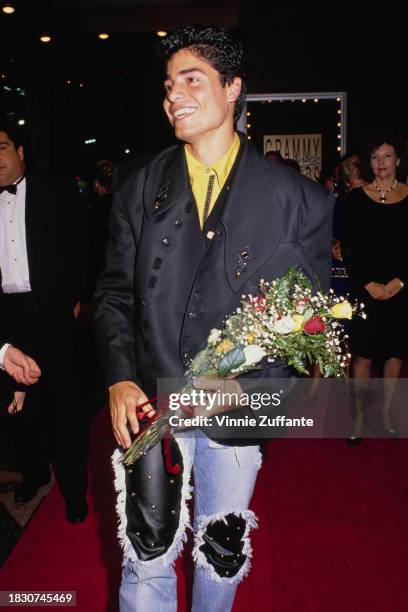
(198, 172)
(18, 183)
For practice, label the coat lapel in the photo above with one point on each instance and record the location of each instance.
(31, 220)
(167, 184)
(252, 219)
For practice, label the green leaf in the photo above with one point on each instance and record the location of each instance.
(200, 362)
(210, 373)
(234, 358)
(308, 314)
(328, 370)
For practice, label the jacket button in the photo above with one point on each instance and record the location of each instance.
(191, 315)
(178, 223)
(189, 207)
(166, 242)
(157, 263)
(143, 302)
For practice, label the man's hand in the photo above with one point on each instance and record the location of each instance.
(377, 291)
(124, 397)
(228, 392)
(393, 287)
(20, 366)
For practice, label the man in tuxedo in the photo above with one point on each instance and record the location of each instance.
(41, 262)
(191, 230)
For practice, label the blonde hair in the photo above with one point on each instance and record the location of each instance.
(348, 165)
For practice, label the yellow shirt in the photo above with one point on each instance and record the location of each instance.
(206, 189)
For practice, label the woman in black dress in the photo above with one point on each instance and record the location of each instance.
(375, 247)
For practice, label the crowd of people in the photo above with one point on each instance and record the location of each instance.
(179, 227)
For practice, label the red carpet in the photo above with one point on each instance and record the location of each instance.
(333, 534)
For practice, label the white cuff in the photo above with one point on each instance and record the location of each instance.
(3, 350)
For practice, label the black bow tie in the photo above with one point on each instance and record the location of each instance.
(10, 188)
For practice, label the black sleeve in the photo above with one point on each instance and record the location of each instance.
(315, 238)
(356, 250)
(114, 297)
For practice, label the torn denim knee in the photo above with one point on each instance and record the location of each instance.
(222, 545)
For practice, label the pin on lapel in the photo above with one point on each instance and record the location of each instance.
(244, 257)
(161, 195)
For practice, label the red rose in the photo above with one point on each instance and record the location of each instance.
(314, 325)
(258, 303)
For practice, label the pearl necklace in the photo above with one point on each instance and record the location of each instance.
(382, 193)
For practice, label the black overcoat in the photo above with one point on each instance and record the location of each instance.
(166, 283)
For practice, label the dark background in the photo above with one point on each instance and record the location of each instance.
(299, 48)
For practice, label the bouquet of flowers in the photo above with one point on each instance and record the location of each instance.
(284, 322)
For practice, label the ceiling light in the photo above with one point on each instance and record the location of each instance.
(103, 36)
(45, 38)
(21, 122)
(8, 9)
(161, 33)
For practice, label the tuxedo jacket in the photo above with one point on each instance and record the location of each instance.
(57, 261)
(166, 282)
(55, 236)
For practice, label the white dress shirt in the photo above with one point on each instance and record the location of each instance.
(15, 276)
(3, 350)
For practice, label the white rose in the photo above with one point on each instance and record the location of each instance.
(215, 335)
(284, 325)
(253, 354)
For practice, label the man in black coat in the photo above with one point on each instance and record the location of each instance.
(192, 229)
(41, 262)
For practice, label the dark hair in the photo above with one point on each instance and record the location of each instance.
(387, 137)
(12, 132)
(103, 173)
(292, 163)
(277, 155)
(215, 46)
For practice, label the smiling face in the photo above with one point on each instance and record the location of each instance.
(196, 103)
(11, 161)
(384, 162)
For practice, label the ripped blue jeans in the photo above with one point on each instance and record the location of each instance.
(224, 480)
